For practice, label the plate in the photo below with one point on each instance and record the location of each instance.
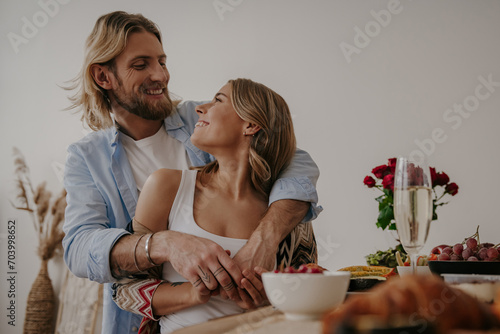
(465, 267)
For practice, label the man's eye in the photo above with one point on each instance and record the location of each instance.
(163, 64)
(139, 66)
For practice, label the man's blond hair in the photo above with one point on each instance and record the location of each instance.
(107, 40)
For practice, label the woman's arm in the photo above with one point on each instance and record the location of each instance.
(153, 209)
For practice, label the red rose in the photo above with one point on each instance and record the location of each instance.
(388, 182)
(380, 171)
(392, 165)
(451, 189)
(369, 181)
(442, 179)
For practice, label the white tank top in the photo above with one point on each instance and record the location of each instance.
(181, 219)
(152, 153)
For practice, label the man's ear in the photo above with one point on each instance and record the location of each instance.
(252, 129)
(101, 75)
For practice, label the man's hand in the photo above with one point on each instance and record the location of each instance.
(201, 261)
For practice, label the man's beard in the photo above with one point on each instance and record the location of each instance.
(138, 105)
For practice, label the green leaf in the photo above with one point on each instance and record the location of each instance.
(385, 216)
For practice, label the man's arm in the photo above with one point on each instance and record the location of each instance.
(293, 199)
(89, 232)
(280, 219)
(298, 182)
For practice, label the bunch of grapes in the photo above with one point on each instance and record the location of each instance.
(469, 250)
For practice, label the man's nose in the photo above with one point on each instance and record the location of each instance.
(159, 73)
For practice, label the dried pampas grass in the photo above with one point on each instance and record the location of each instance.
(47, 212)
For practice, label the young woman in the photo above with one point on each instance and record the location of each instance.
(248, 128)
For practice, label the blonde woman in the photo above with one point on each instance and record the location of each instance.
(247, 127)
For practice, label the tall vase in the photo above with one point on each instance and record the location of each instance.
(40, 308)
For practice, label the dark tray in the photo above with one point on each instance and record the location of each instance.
(465, 267)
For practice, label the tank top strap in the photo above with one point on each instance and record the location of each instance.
(182, 207)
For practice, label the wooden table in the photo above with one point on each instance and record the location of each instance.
(264, 320)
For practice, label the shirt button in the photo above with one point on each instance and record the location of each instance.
(134, 329)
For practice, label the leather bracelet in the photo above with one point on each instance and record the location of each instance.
(146, 248)
(135, 253)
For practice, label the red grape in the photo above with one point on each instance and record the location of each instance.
(472, 258)
(466, 253)
(482, 253)
(458, 249)
(443, 257)
(471, 243)
(455, 257)
(492, 253)
(448, 250)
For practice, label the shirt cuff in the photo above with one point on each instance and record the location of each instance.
(300, 189)
(98, 265)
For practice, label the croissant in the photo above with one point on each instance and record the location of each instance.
(421, 302)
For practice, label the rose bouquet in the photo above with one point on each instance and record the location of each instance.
(384, 181)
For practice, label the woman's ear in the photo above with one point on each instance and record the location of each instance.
(252, 129)
(101, 75)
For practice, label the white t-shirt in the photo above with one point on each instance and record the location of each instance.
(152, 153)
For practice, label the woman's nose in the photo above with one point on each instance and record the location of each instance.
(202, 108)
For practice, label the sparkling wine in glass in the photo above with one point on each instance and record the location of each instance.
(412, 205)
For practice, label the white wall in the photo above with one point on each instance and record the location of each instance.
(350, 116)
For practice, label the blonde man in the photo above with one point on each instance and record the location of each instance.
(123, 93)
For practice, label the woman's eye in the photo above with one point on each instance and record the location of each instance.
(218, 100)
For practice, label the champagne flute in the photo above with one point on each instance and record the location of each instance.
(412, 205)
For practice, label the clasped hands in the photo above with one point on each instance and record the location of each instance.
(212, 271)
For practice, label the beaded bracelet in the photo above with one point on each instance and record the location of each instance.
(146, 248)
(135, 252)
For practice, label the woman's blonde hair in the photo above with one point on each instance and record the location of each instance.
(107, 40)
(273, 146)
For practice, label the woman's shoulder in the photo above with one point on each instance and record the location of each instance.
(163, 181)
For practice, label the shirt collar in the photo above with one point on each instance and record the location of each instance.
(173, 121)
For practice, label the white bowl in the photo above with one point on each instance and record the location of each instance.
(421, 270)
(306, 296)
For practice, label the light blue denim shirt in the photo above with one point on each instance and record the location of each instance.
(102, 197)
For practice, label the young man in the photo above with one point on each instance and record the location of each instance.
(125, 75)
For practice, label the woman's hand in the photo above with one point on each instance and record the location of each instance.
(197, 298)
(252, 283)
(252, 295)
